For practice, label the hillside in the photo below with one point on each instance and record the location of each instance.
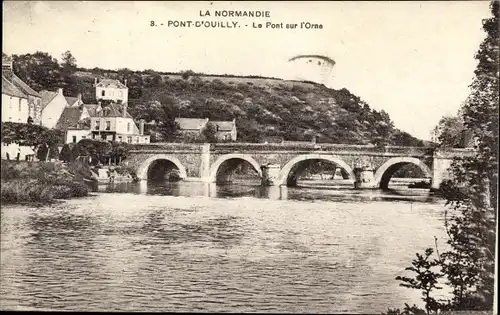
(263, 107)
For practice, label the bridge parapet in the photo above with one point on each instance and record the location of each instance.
(322, 147)
(450, 153)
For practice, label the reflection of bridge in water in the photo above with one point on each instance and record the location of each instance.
(366, 166)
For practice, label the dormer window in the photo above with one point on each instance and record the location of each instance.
(103, 93)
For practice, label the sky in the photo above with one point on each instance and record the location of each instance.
(415, 60)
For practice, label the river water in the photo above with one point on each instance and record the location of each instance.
(198, 247)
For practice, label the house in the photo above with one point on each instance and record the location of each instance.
(20, 104)
(114, 123)
(111, 90)
(53, 105)
(19, 101)
(75, 122)
(74, 101)
(226, 130)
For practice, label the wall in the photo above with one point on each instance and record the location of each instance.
(101, 122)
(13, 148)
(121, 126)
(113, 94)
(78, 133)
(15, 109)
(52, 112)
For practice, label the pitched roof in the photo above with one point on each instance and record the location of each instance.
(113, 110)
(47, 97)
(224, 125)
(10, 89)
(71, 100)
(69, 118)
(191, 123)
(110, 83)
(18, 83)
(92, 109)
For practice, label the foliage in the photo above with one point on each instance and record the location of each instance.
(35, 136)
(471, 193)
(29, 134)
(98, 150)
(25, 182)
(450, 131)
(425, 280)
(66, 154)
(209, 133)
(188, 73)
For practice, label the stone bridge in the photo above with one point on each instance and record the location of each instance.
(367, 166)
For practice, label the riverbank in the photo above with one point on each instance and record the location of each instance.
(42, 182)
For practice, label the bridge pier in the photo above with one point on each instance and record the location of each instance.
(364, 178)
(270, 174)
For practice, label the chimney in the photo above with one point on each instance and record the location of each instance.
(95, 81)
(124, 110)
(60, 91)
(141, 127)
(125, 82)
(79, 96)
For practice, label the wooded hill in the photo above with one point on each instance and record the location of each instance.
(263, 107)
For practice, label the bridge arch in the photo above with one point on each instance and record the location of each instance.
(385, 172)
(285, 171)
(214, 168)
(142, 171)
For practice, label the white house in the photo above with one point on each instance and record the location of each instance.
(53, 105)
(19, 101)
(111, 90)
(114, 123)
(73, 123)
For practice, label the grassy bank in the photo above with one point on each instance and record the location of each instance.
(41, 182)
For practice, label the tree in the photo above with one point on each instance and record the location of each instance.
(98, 150)
(471, 212)
(209, 133)
(66, 155)
(450, 131)
(68, 62)
(39, 70)
(34, 136)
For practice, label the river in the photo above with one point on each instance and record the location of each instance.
(198, 247)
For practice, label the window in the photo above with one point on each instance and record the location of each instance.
(84, 137)
(93, 136)
(128, 126)
(119, 138)
(19, 104)
(108, 125)
(97, 124)
(103, 93)
(129, 139)
(74, 139)
(103, 137)
(10, 103)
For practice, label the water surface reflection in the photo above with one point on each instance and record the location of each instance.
(252, 189)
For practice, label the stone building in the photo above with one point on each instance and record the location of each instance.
(225, 130)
